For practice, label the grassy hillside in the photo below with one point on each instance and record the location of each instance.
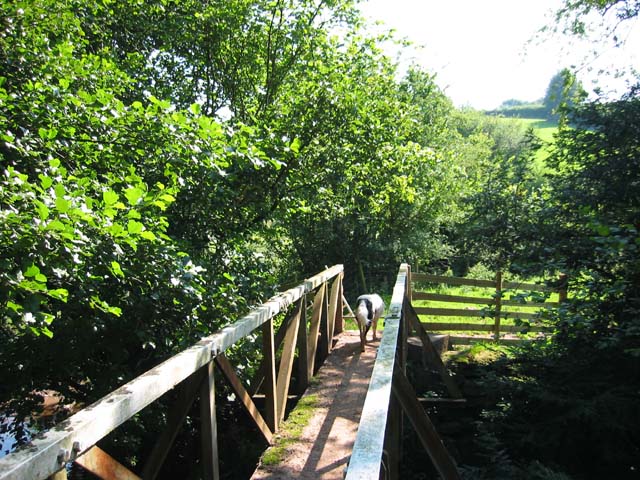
(544, 130)
(537, 117)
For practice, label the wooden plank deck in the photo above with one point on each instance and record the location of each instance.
(324, 448)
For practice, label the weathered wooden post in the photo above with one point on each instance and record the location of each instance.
(393, 439)
(339, 325)
(496, 331)
(303, 357)
(188, 392)
(268, 350)
(562, 292)
(335, 309)
(324, 345)
(405, 325)
(286, 361)
(314, 328)
(210, 463)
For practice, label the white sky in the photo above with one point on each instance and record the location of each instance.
(484, 51)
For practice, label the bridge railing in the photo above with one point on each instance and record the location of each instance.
(192, 371)
(391, 398)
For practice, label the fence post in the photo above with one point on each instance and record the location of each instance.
(324, 342)
(286, 361)
(393, 440)
(562, 292)
(496, 331)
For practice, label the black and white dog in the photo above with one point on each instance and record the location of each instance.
(369, 309)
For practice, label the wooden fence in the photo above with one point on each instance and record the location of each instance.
(192, 372)
(377, 449)
(494, 306)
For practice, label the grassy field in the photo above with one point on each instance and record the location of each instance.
(544, 130)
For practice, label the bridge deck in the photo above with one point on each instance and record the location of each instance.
(324, 448)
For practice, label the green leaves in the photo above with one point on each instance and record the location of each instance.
(134, 195)
(139, 139)
(110, 197)
(34, 272)
(134, 227)
(116, 269)
(47, 133)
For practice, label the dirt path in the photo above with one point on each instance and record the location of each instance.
(325, 445)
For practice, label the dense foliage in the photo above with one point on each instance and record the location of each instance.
(568, 408)
(165, 165)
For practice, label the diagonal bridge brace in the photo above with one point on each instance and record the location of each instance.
(431, 441)
(431, 351)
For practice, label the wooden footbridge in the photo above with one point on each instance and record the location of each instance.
(298, 330)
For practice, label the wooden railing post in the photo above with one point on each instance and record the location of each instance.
(324, 346)
(210, 463)
(188, 391)
(339, 320)
(286, 361)
(243, 396)
(405, 326)
(335, 304)
(496, 331)
(406, 396)
(268, 350)
(409, 284)
(314, 329)
(303, 357)
(393, 440)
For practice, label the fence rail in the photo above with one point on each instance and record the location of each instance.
(192, 370)
(494, 305)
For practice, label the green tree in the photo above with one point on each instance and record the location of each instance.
(134, 220)
(597, 164)
(589, 229)
(592, 363)
(88, 181)
(574, 16)
(501, 194)
(564, 92)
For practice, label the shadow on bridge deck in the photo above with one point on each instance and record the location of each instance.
(324, 448)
